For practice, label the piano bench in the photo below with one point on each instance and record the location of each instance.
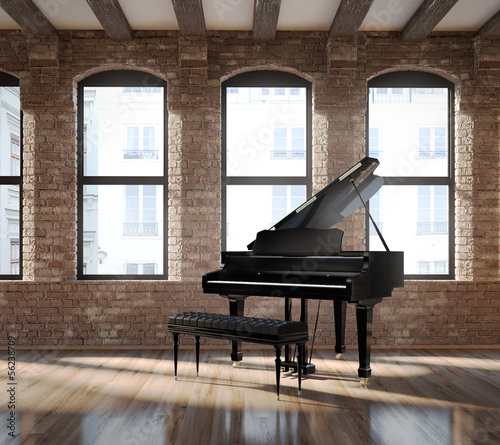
(231, 327)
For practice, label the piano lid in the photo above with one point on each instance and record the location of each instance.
(337, 200)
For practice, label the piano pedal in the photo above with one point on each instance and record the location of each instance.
(295, 374)
(287, 373)
(236, 364)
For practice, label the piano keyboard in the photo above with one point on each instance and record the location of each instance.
(267, 283)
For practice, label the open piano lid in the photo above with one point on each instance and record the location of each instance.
(336, 201)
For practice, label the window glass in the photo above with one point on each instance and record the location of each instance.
(117, 234)
(413, 219)
(120, 128)
(409, 132)
(414, 140)
(10, 178)
(265, 133)
(252, 208)
(266, 152)
(122, 187)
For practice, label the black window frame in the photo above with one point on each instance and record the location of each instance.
(120, 78)
(8, 80)
(421, 79)
(264, 79)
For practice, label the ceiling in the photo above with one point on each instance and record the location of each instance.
(414, 19)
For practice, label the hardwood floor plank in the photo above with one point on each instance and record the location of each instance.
(130, 397)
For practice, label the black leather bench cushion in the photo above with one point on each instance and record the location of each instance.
(234, 326)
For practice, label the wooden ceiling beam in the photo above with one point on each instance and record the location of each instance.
(112, 19)
(265, 19)
(349, 17)
(190, 17)
(27, 15)
(425, 19)
(491, 28)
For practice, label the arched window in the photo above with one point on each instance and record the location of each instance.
(122, 176)
(410, 130)
(11, 181)
(266, 152)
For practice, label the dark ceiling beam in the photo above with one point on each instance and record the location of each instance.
(27, 15)
(491, 28)
(425, 19)
(349, 17)
(190, 17)
(265, 19)
(112, 19)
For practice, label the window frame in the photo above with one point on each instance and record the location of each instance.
(263, 79)
(120, 78)
(421, 79)
(8, 80)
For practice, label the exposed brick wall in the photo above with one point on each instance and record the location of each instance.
(50, 307)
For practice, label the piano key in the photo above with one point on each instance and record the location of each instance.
(268, 283)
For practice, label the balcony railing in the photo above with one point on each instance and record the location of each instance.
(140, 229)
(432, 228)
(294, 155)
(140, 154)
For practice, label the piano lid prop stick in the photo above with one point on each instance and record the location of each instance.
(369, 215)
(314, 334)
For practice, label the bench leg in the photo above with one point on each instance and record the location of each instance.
(278, 370)
(197, 342)
(176, 351)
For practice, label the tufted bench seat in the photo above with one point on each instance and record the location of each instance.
(231, 327)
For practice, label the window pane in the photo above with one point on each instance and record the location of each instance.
(422, 233)
(10, 131)
(252, 208)
(265, 132)
(9, 229)
(121, 230)
(415, 123)
(123, 131)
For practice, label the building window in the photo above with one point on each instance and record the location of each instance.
(266, 152)
(415, 205)
(432, 210)
(141, 211)
(122, 177)
(141, 142)
(432, 142)
(289, 143)
(10, 179)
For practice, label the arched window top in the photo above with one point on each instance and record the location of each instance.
(410, 79)
(266, 78)
(123, 78)
(8, 80)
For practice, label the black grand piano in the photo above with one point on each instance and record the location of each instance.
(301, 257)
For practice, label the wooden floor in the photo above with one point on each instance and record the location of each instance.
(130, 397)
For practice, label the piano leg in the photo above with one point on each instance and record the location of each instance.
(236, 307)
(364, 318)
(339, 310)
(288, 316)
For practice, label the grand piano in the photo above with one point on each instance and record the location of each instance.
(301, 257)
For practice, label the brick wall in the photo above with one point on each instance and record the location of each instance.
(51, 308)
